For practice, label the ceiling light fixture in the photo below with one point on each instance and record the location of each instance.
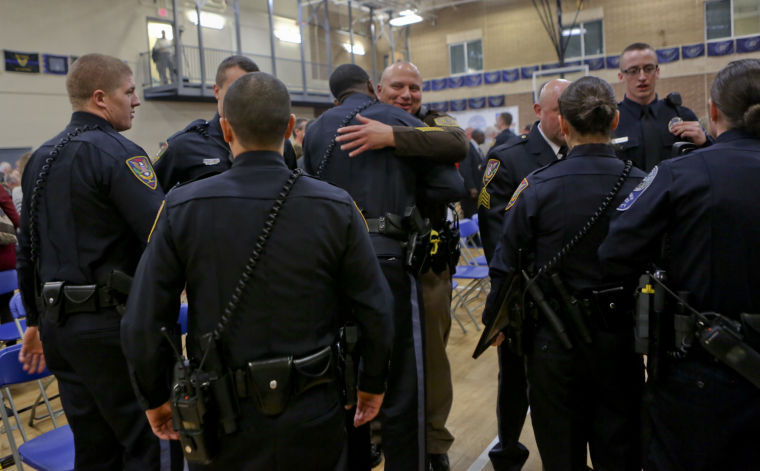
(208, 20)
(358, 48)
(406, 17)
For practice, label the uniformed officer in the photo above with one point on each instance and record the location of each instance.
(703, 414)
(507, 165)
(316, 265)
(383, 186)
(585, 379)
(503, 123)
(91, 197)
(441, 140)
(199, 150)
(649, 126)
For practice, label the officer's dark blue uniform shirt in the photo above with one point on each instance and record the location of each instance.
(705, 202)
(507, 165)
(629, 137)
(314, 261)
(551, 205)
(378, 180)
(199, 151)
(99, 203)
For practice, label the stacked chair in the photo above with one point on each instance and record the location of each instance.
(471, 280)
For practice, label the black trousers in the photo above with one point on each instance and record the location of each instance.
(110, 429)
(702, 416)
(309, 435)
(511, 407)
(403, 410)
(590, 395)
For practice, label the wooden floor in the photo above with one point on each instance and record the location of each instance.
(473, 415)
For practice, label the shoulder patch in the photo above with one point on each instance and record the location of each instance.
(142, 169)
(491, 168)
(445, 121)
(638, 191)
(523, 185)
(161, 151)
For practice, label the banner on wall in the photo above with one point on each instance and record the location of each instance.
(613, 62)
(58, 65)
(439, 84)
(481, 119)
(670, 54)
(695, 50)
(596, 63)
(26, 62)
(476, 103)
(748, 44)
(720, 48)
(473, 80)
(527, 72)
(456, 82)
(458, 105)
(510, 75)
(426, 87)
(492, 77)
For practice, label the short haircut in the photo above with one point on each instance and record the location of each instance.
(736, 93)
(589, 105)
(301, 123)
(506, 118)
(93, 72)
(234, 61)
(348, 78)
(257, 106)
(478, 135)
(636, 47)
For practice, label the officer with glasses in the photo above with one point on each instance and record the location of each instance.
(648, 125)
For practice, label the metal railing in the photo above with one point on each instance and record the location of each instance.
(288, 70)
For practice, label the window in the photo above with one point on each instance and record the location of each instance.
(466, 57)
(584, 40)
(731, 18)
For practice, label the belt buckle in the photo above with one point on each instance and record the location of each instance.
(381, 225)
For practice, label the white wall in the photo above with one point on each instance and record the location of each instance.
(35, 106)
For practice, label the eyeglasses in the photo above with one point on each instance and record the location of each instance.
(636, 70)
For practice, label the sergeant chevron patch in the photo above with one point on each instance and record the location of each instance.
(484, 199)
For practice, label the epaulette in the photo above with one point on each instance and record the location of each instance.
(510, 144)
(553, 162)
(199, 126)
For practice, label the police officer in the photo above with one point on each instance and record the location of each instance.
(703, 414)
(584, 376)
(384, 186)
(507, 165)
(199, 150)
(440, 140)
(91, 197)
(316, 263)
(649, 126)
(503, 123)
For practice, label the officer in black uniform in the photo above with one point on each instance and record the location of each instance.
(442, 141)
(649, 126)
(703, 414)
(384, 186)
(507, 165)
(585, 379)
(503, 123)
(199, 150)
(92, 196)
(316, 264)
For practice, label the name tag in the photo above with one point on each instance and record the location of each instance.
(211, 161)
(619, 140)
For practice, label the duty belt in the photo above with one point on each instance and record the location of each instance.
(273, 382)
(61, 299)
(389, 225)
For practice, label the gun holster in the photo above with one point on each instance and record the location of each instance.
(52, 301)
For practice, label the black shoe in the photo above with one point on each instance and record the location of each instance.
(438, 462)
(375, 455)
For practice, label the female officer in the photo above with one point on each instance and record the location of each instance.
(585, 383)
(703, 414)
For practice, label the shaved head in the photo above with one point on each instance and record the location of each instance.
(401, 86)
(547, 110)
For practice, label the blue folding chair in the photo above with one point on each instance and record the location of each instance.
(10, 331)
(477, 283)
(51, 451)
(182, 318)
